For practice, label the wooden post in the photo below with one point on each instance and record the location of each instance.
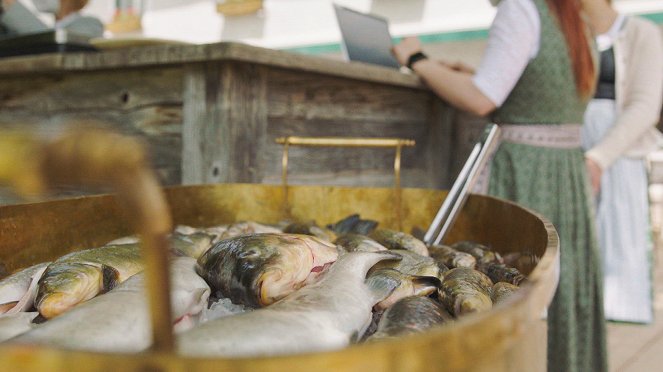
(439, 147)
(225, 122)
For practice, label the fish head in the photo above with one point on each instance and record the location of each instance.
(65, 285)
(466, 304)
(297, 260)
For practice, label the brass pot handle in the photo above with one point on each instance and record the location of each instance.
(397, 143)
(93, 158)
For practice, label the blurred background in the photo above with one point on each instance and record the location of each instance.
(449, 27)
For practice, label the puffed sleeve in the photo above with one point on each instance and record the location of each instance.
(513, 40)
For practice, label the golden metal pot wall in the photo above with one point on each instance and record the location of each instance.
(503, 339)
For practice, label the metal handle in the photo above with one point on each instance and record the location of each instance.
(397, 143)
(457, 196)
(93, 158)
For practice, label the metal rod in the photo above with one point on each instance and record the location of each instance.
(345, 142)
(398, 143)
(452, 196)
(397, 186)
(490, 140)
(284, 175)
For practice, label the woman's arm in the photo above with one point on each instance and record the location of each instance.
(454, 86)
(642, 106)
(512, 42)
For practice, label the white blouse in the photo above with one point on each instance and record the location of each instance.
(513, 40)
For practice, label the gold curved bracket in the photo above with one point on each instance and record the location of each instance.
(94, 158)
(397, 143)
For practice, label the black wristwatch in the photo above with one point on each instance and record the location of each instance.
(414, 58)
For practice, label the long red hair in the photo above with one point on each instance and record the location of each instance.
(574, 29)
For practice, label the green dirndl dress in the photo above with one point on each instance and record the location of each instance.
(553, 182)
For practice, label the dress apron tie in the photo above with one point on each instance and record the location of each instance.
(556, 136)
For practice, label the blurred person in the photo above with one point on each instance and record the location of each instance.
(535, 80)
(16, 19)
(618, 133)
(67, 16)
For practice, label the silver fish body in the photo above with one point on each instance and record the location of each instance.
(466, 290)
(119, 320)
(326, 315)
(412, 264)
(192, 245)
(502, 291)
(393, 239)
(482, 253)
(12, 325)
(414, 314)
(451, 258)
(18, 290)
(498, 272)
(358, 243)
(310, 228)
(248, 228)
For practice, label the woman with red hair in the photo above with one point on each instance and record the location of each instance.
(535, 80)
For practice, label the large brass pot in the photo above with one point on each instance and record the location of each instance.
(508, 338)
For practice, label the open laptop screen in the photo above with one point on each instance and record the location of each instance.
(365, 37)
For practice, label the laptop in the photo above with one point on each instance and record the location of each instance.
(365, 37)
(51, 41)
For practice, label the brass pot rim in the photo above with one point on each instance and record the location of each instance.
(505, 323)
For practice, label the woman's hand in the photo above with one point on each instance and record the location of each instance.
(459, 66)
(405, 49)
(594, 171)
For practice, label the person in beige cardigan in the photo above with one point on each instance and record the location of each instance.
(619, 131)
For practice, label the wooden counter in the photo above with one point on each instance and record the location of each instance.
(210, 113)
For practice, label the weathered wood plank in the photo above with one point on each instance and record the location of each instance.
(467, 130)
(169, 55)
(158, 127)
(225, 121)
(317, 97)
(437, 145)
(215, 121)
(112, 90)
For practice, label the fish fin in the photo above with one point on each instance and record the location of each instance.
(39, 319)
(383, 283)
(364, 227)
(177, 252)
(418, 233)
(345, 225)
(355, 337)
(425, 285)
(110, 278)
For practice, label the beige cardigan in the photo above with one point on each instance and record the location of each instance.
(638, 94)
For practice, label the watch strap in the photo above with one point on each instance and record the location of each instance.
(414, 58)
